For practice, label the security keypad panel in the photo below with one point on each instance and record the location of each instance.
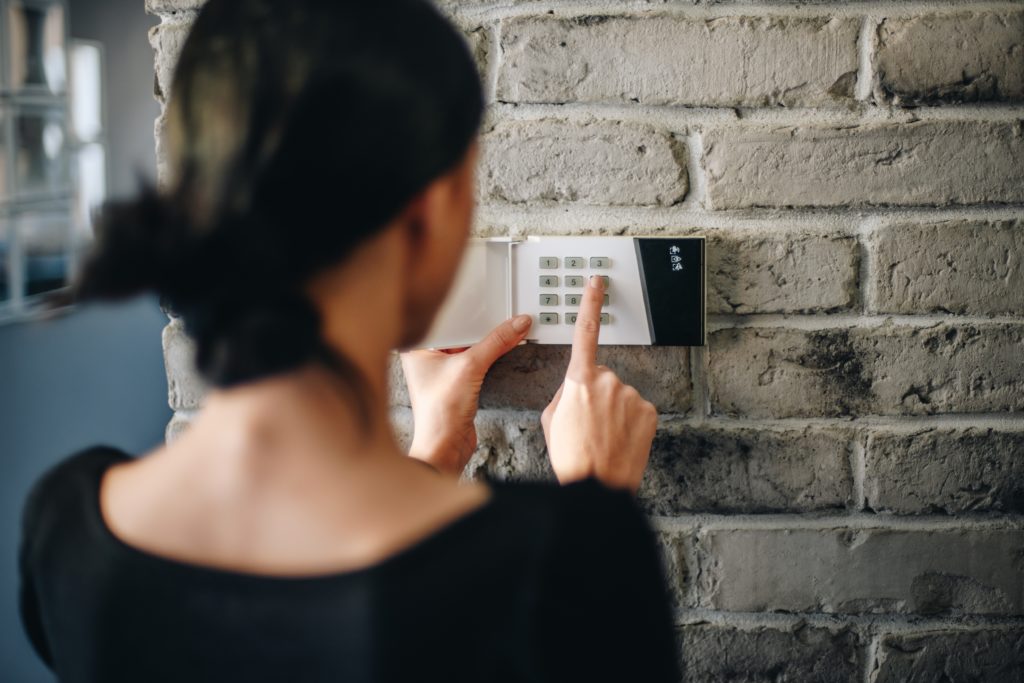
(654, 289)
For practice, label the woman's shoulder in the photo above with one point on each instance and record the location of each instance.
(68, 488)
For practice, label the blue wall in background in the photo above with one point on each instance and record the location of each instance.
(94, 376)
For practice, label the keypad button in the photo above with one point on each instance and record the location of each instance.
(599, 262)
(570, 318)
(607, 281)
(574, 261)
(548, 299)
(574, 280)
(575, 299)
(548, 280)
(548, 318)
(548, 262)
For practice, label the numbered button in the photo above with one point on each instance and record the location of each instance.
(548, 318)
(574, 261)
(548, 262)
(548, 299)
(575, 299)
(570, 318)
(573, 280)
(548, 280)
(599, 262)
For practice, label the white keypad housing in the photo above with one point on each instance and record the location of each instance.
(545, 277)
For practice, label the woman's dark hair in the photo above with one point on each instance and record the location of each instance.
(295, 129)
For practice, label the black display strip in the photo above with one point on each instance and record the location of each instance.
(672, 274)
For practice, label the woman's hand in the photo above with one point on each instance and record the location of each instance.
(596, 425)
(444, 389)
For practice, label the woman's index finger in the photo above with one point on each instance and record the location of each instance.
(588, 325)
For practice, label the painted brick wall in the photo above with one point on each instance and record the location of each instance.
(837, 481)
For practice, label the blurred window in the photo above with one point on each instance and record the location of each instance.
(52, 151)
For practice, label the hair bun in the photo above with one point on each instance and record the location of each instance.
(140, 245)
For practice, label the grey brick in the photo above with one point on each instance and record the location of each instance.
(951, 572)
(754, 272)
(527, 377)
(172, 7)
(715, 653)
(985, 656)
(479, 42)
(167, 41)
(960, 57)
(511, 448)
(177, 426)
(665, 60)
(921, 163)
(705, 469)
(185, 388)
(674, 548)
(599, 163)
(945, 470)
(887, 370)
(970, 267)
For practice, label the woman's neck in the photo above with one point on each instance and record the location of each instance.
(310, 413)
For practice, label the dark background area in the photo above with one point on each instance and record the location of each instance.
(95, 375)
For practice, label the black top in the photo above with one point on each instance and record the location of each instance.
(541, 583)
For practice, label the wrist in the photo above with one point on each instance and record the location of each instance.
(438, 455)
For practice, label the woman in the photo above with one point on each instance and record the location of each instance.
(319, 199)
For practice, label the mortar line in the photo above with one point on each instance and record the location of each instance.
(495, 58)
(869, 424)
(826, 321)
(836, 521)
(871, 655)
(868, 290)
(504, 219)
(180, 16)
(577, 8)
(865, 54)
(682, 117)
(858, 455)
(878, 624)
(699, 382)
(696, 176)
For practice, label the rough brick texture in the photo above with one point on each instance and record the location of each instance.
(838, 570)
(993, 655)
(890, 370)
(963, 57)
(950, 267)
(736, 61)
(836, 484)
(587, 163)
(185, 388)
(920, 163)
(528, 376)
(725, 654)
(781, 273)
(945, 470)
(701, 469)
